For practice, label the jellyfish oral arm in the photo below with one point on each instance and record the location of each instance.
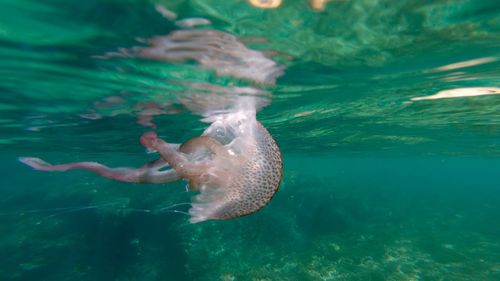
(149, 173)
(168, 152)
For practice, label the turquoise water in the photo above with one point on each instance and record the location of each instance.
(377, 185)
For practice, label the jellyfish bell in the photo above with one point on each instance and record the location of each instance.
(245, 176)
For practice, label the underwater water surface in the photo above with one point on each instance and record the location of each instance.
(387, 115)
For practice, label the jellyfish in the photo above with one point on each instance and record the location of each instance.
(235, 166)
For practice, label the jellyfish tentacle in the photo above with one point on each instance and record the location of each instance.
(192, 159)
(149, 173)
(178, 160)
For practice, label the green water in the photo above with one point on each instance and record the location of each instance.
(376, 186)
